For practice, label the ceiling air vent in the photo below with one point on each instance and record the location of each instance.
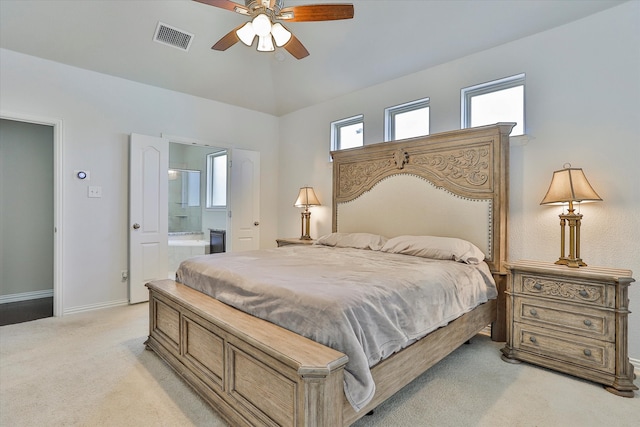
(171, 36)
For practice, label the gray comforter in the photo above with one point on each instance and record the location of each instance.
(366, 304)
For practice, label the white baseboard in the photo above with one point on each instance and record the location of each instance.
(635, 363)
(91, 307)
(25, 296)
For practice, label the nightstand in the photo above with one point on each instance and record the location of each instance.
(293, 241)
(572, 320)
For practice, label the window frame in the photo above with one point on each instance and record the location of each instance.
(391, 112)
(337, 125)
(466, 94)
(210, 159)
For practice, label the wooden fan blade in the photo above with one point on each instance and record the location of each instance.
(316, 12)
(228, 40)
(295, 48)
(226, 4)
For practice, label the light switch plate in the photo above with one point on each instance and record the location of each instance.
(95, 191)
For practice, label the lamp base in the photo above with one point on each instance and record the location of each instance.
(573, 219)
(305, 225)
(573, 263)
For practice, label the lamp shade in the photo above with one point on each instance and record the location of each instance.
(280, 34)
(569, 185)
(262, 25)
(265, 44)
(246, 33)
(307, 197)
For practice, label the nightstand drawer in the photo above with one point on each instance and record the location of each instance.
(565, 347)
(584, 321)
(576, 291)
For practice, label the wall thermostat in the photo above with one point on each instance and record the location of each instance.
(82, 174)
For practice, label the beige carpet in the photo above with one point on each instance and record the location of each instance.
(91, 369)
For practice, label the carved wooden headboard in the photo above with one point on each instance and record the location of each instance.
(448, 184)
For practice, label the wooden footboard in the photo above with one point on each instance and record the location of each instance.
(256, 373)
(251, 371)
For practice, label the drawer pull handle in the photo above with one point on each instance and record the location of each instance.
(587, 352)
(532, 339)
(533, 312)
(537, 286)
(583, 293)
(587, 322)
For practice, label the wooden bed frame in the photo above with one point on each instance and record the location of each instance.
(256, 373)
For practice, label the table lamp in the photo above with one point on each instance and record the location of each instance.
(306, 197)
(570, 185)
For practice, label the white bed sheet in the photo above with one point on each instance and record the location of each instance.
(366, 304)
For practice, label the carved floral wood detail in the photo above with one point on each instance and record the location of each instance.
(357, 175)
(465, 168)
(469, 166)
(562, 289)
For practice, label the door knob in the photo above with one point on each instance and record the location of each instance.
(136, 226)
(257, 223)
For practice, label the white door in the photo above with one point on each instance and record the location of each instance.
(244, 200)
(148, 213)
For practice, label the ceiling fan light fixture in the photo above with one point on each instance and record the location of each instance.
(265, 43)
(280, 34)
(263, 15)
(246, 33)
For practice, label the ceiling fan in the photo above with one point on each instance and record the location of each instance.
(263, 15)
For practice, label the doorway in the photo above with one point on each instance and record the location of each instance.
(58, 150)
(193, 209)
(26, 221)
(148, 207)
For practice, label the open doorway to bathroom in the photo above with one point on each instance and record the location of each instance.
(26, 221)
(194, 210)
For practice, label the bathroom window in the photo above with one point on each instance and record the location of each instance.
(217, 180)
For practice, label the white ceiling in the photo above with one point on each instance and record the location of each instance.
(385, 40)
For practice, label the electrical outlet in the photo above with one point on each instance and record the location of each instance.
(124, 274)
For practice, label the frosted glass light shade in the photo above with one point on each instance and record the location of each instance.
(262, 25)
(246, 33)
(265, 43)
(280, 34)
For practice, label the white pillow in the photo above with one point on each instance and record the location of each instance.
(353, 240)
(434, 247)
